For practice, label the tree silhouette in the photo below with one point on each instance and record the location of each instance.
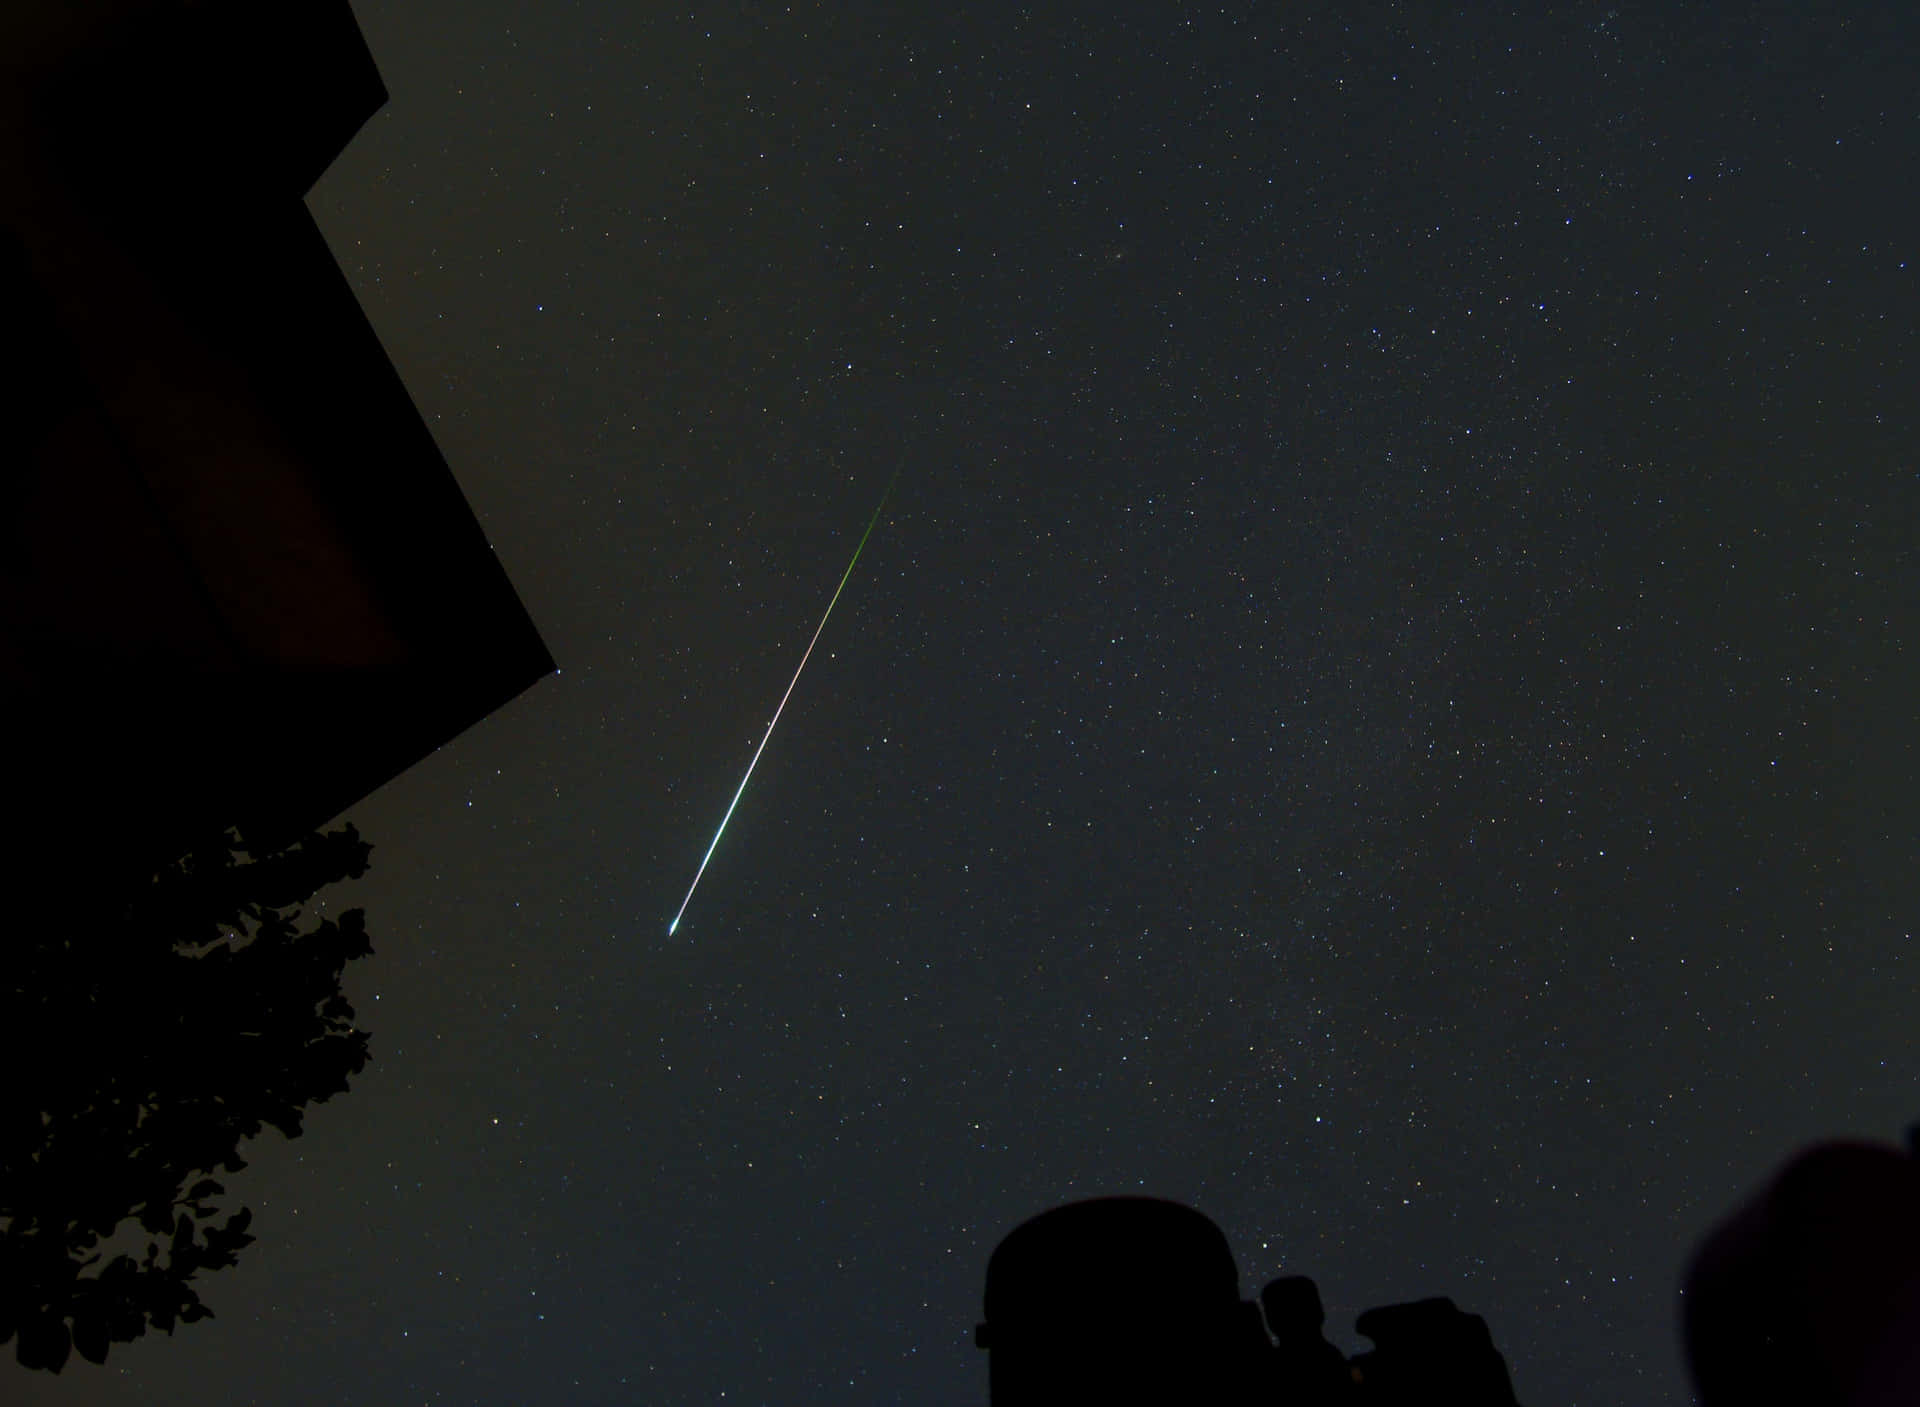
(148, 1027)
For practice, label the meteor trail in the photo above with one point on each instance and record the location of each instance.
(783, 703)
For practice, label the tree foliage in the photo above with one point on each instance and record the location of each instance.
(148, 1029)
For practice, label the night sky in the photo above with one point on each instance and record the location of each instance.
(1381, 704)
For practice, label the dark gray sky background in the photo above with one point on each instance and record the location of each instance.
(1381, 705)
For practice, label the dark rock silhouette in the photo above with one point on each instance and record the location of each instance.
(1807, 1293)
(1810, 1291)
(150, 1025)
(1302, 1357)
(1123, 1300)
(1429, 1351)
(1122, 1295)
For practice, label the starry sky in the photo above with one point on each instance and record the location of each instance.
(1380, 704)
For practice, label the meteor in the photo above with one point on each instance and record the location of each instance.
(783, 703)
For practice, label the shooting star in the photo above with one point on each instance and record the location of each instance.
(783, 704)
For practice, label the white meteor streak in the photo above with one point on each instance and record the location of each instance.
(776, 713)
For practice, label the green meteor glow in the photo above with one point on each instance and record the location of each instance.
(783, 703)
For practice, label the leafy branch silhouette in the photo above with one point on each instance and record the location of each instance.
(151, 1027)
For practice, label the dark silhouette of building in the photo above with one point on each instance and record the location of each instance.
(241, 586)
